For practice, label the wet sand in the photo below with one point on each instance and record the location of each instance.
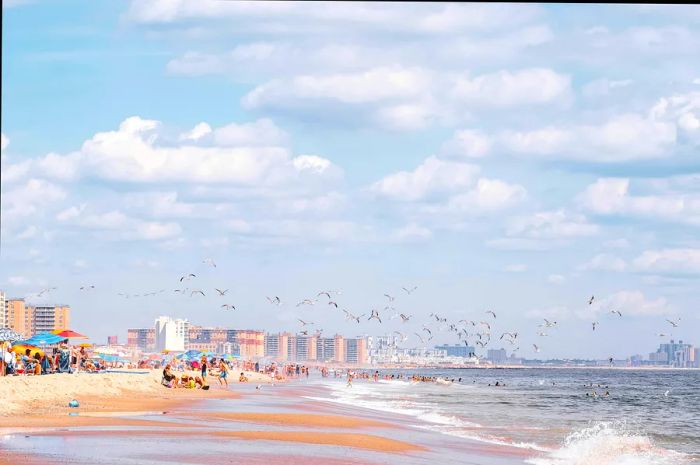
(298, 419)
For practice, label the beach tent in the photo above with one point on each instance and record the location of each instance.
(7, 336)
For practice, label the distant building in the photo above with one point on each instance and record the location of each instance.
(3, 311)
(142, 338)
(457, 350)
(679, 355)
(497, 355)
(112, 340)
(29, 320)
(276, 346)
(356, 351)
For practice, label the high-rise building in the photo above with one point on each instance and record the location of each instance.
(325, 349)
(251, 343)
(142, 338)
(3, 311)
(276, 346)
(356, 351)
(112, 340)
(675, 354)
(171, 335)
(48, 318)
(16, 317)
(339, 348)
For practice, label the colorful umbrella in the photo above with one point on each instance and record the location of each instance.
(43, 339)
(68, 333)
(22, 348)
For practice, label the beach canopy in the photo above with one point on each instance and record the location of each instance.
(7, 334)
(43, 339)
(69, 333)
(22, 348)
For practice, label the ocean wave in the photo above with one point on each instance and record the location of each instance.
(610, 443)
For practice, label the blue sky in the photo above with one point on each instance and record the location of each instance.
(513, 158)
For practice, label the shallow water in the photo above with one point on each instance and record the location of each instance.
(649, 418)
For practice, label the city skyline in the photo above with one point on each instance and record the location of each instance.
(516, 159)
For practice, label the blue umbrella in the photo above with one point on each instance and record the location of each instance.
(43, 339)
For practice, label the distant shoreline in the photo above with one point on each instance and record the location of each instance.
(508, 367)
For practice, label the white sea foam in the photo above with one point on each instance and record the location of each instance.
(609, 443)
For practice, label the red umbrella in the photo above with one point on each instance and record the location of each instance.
(68, 333)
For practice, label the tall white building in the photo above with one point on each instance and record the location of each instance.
(171, 335)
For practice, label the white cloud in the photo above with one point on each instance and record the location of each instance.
(604, 262)
(17, 281)
(556, 279)
(557, 224)
(621, 138)
(467, 143)
(81, 264)
(28, 233)
(432, 177)
(133, 154)
(413, 233)
(628, 302)
(516, 268)
(604, 87)
(669, 261)
(611, 196)
(621, 243)
(505, 88)
(30, 198)
(488, 195)
(197, 132)
(4, 141)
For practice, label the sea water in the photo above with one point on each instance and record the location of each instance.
(648, 418)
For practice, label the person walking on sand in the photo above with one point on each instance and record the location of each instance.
(204, 368)
(350, 376)
(223, 372)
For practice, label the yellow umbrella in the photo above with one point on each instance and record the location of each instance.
(22, 348)
(85, 344)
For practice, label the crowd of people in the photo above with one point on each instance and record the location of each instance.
(62, 358)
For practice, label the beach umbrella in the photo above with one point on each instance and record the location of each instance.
(85, 344)
(69, 334)
(21, 348)
(43, 339)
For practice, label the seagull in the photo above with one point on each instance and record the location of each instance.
(481, 343)
(420, 337)
(590, 301)
(209, 261)
(181, 290)
(595, 323)
(197, 291)
(663, 334)
(306, 302)
(221, 293)
(405, 318)
(187, 277)
(408, 291)
(304, 323)
(542, 334)
(275, 301)
(85, 288)
(228, 307)
(324, 293)
(492, 313)
(537, 349)
(673, 323)
(666, 393)
(549, 324)
(391, 299)
(403, 336)
(486, 324)
(330, 302)
(375, 315)
(510, 334)
(350, 316)
(427, 330)
(304, 333)
(617, 312)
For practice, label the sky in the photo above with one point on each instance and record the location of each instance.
(513, 158)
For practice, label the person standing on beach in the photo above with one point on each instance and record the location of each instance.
(204, 368)
(223, 372)
(350, 376)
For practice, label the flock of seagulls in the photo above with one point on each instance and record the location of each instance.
(478, 331)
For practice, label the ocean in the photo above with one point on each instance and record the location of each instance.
(648, 418)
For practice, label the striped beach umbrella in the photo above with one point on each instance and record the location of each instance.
(10, 335)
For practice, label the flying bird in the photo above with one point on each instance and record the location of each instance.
(537, 349)
(408, 291)
(209, 261)
(492, 313)
(595, 323)
(197, 291)
(673, 323)
(330, 302)
(85, 288)
(221, 293)
(391, 299)
(375, 315)
(306, 302)
(350, 316)
(420, 337)
(187, 277)
(275, 301)
(324, 293)
(228, 307)
(590, 301)
(304, 323)
(616, 312)
(405, 318)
